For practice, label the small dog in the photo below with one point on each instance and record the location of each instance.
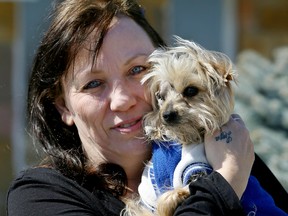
(192, 95)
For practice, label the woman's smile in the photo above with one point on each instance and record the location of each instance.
(129, 125)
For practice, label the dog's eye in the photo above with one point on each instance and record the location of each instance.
(190, 91)
(158, 96)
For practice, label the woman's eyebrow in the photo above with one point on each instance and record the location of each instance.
(132, 58)
(80, 73)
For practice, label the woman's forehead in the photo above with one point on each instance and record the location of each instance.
(124, 35)
(124, 39)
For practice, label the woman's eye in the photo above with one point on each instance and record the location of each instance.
(137, 69)
(92, 84)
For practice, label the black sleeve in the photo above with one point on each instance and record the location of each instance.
(270, 183)
(211, 195)
(46, 192)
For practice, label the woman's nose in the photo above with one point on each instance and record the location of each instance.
(122, 97)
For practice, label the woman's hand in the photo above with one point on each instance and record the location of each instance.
(230, 152)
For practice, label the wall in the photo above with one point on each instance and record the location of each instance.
(263, 25)
(6, 40)
(21, 26)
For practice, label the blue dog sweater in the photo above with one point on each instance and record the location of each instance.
(166, 156)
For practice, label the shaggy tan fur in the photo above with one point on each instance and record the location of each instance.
(191, 95)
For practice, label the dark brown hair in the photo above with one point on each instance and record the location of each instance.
(71, 24)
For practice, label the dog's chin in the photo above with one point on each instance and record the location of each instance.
(182, 130)
(183, 133)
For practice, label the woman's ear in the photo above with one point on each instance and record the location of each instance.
(66, 114)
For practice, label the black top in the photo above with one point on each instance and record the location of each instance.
(269, 182)
(43, 191)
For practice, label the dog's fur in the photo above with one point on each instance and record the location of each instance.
(191, 95)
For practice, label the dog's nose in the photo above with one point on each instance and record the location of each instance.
(170, 116)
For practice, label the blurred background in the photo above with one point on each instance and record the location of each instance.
(253, 33)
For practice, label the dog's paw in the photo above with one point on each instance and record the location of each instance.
(170, 200)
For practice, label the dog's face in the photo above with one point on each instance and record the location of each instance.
(191, 93)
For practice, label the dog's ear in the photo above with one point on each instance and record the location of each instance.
(151, 88)
(216, 72)
(229, 77)
(219, 67)
(152, 126)
(155, 96)
(224, 69)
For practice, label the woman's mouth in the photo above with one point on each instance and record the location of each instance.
(130, 126)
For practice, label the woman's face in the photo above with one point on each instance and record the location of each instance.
(106, 101)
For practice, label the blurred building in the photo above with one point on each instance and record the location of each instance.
(229, 26)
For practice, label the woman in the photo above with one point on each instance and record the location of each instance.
(85, 107)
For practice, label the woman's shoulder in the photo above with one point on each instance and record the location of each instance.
(40, 175)
(44, 178)
(41, 188)
(43, 175)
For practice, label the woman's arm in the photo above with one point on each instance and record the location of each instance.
(210, 195)
(231, 154)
